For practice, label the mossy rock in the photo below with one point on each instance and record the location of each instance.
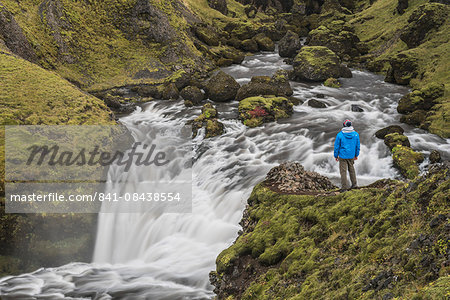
(403, 68)
(421, 99)
(277, 85)
(316, 103)
(219, 5)
(170, 92)
(264, 42)
(416, 118)
(332, 82)
(395, 139)
(406, 160)
(206, 34)
(254, 111)
(424, 19)
(249, 45)
(193, 94)
(289, 45)
(317, 63)
(435, 156)
(207, 120)
(387, 130)
(222, 87)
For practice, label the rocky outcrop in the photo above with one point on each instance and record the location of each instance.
(403, 68)
(249, 45)
(264, 42)
(291, 177)
(254, 111)
(13, 36)
(424, 19)
(338, 37)
(219, 5)
(317, 63)
(289, 45)
(207, 120)
(308, 245)
(418, 103)
(222, 87)
(277, 85)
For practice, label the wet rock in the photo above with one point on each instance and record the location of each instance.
(316, 103)
(193, 94)
(170, 92)
(394, 139)
(425, 18)
(291, 177)
(320, 96)
(207, 120)
(356, 108)
(264, 42)
(254, 111)
(401, 6)
(219, 5)
(435, 157)
(317, 63)
(249, 45)
(154, 91)
(222, 87)
(415, 118)
(277, 85)
(333, 83)
(188, 103)
(224, 62)
(289, 45)
(403, 68)
(387, 130)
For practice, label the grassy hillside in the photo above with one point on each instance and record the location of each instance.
(381, 26)
(383, 241)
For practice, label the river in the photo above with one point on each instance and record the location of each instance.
(169, 256)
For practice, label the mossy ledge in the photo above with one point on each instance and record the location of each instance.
(386, 240)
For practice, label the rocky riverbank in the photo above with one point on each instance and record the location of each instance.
(389, 239)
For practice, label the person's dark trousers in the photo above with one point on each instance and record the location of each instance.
(344, 165)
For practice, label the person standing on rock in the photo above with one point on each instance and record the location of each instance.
(346, 151)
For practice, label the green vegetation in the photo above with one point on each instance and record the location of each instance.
(406, 160)
(380, 28)
(332, 82)
(361, 244)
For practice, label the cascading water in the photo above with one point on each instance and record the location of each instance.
(169, 256)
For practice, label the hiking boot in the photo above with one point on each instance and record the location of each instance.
(353, 187)
(342, 190)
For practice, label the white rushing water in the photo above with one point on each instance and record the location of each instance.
(169, 256)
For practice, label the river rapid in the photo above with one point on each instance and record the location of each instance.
(169, 256)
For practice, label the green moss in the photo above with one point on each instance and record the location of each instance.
(332, 246)
(406, 160)
(254, 111)
(332, 82)
(395, 139)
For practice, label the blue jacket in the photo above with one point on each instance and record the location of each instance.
(346, 145)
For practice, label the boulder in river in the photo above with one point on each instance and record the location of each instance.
(417, 117)
(317, 63)
(332, 82)
(435, 157)
(254, 111)
(193, 94)
(277, 85)
(264, 42)
(387, 130)
(289, 45)
(316, 103)
(395, 139)
(170, 92)
(356, 108)
(222, 87)
(207, 120)
(249, 45)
